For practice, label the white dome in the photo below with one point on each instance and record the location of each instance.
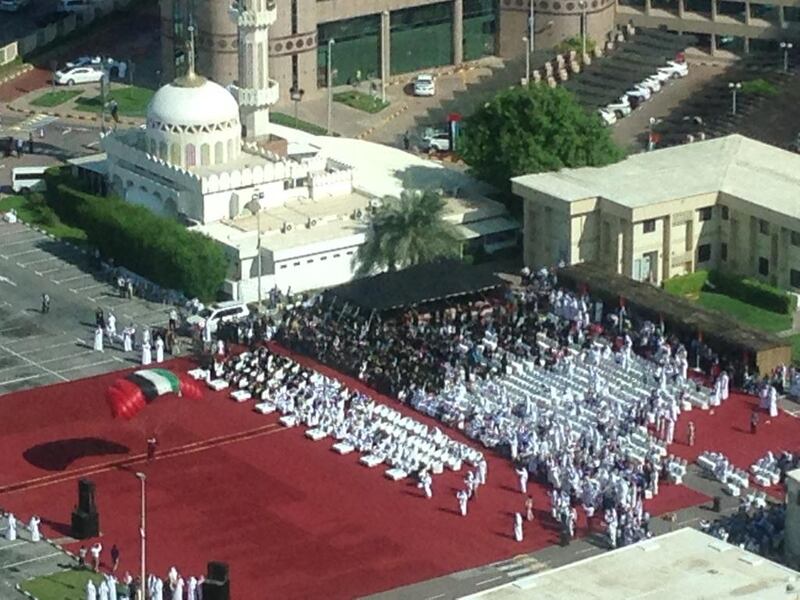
(205, 103)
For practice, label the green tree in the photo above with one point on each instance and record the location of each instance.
(406, 231)
(533, 129)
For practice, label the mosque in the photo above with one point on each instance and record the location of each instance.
(288, 213)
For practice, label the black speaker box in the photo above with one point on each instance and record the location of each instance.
(85, 524)
(86, 496)
(216, 590)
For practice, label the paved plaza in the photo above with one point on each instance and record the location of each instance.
(37, 349)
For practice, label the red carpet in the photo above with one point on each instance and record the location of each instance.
(293, 519)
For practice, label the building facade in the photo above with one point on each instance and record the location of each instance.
(728, 203)
(373, 39)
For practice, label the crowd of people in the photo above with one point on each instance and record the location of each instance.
(757, 526)
(152, 344)
(578, 421)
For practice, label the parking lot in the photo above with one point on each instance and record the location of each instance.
(38, 349)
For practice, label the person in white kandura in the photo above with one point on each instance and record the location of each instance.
(147, 356)
(158, 589)
(145, 336)
(159, 349)
(127, 338)
(151, 586)
(518, 532)
(102, 590)
(482, 468)
(773, 401)
(191, 588)
(11, 532)
(91, 591)
(725, 380)
(111, 327)
(425, 481)
(523, 479)
(177, 592)
(112, 587)
(33, 527)
(463, 498)
(220, 347)
(98, 339)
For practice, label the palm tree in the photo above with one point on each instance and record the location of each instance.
(406, 231)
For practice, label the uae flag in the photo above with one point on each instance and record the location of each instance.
(155, 382)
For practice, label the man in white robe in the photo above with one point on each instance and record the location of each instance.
(158, 590)
(98, 339)
(112, 587)
(102, 590)
(725, 380)
(147, 356)
(127, 338)
(518, 531)
(523, 479)
(159, 349)
(191, 588)
(11, 532)
(91, 591)
(773, 401)
(177, 593)
(111, 327)
(463, 498)
(425, 483)
(33, 527)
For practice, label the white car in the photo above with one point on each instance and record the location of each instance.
(424, 85)
(608, 117)
(439, 141)
(652, 83)
(217, 314)
(640, 91)
(621, 108)
(114, 67)
(75, 75)
(675, 69)
(13, 5)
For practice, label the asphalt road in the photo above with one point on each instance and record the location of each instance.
(37, 349)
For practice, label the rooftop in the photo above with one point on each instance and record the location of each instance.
(734, 164)
(685, 564)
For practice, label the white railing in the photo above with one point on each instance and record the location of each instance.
(263, 18)
(256, 97)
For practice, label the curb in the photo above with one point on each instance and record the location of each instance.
(452, 70)
(24, 69)
(391, 117)
(24, 593)
(72, 116)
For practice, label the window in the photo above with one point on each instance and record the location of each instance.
(703, 253)
(704, 214)
(763, 266)
(191, 159)
(724, 213)
(323, 258)
(336, 255)
(283, 266)
(310, 260)
(297, 264)
(649, 226)
(794, 277)
(795, 238)
(723, 251)
(763, 226)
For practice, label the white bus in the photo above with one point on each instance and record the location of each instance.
(28, 178)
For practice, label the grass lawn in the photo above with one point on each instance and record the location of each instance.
(55, 98)
(132, 101)
(361, 101)
(746, 313)
(44, 217)
(288, 121)
(795, 341)
(66, 585)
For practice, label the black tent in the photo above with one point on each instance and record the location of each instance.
(417, 285)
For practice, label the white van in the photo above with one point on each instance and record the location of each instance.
(216, 314)
(28, 178)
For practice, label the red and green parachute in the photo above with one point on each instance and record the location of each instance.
(128, 395)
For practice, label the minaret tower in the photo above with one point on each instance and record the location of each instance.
(255, 91)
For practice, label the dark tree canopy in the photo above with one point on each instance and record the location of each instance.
(528, 130)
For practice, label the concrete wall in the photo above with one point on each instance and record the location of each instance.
(791, 536)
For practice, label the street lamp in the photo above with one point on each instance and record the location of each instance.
(583, 5)
(786, 46)
(330, 83)
(385, 67)
(527, 61)
(530, 28)
(254, 206)
(734, 87)
(296, 94)
(143, 535)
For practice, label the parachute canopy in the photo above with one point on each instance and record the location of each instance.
(128, 395)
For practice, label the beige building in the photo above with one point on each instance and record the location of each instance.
(727, 203)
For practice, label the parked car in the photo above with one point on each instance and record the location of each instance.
(652, 83)
(607, 117)
(217, 314)
(639, 90)
(78, 75)
(439, 141)
(74, 6)
(621, 108)
(424, 85)
(13, 5)
(115, 68)
(675, 69)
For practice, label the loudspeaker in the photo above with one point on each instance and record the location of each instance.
(86, 496)
(564, 539)
(217, 571)
(85, 524)
(217, 585)
(717, 504)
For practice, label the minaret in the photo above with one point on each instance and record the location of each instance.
(255, 91)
